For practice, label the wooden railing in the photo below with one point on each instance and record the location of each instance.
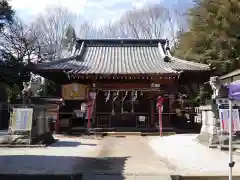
(165, 119)
(135, 119)
(103, 120)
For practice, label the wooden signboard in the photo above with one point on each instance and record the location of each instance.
(74, 91)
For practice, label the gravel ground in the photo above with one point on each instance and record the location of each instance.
(192, 158)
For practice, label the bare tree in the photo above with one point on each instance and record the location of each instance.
(50, 28)
(86, 29)
(18, 47)
(150, 22)
(20, 41)
(175, 23)
(142, 23)
(177, 20)
(109, 30)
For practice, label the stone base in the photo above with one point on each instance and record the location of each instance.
(211, 140)
(215, 141)
(46, 138)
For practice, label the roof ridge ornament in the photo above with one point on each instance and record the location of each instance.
(78, 49)
(168, 54)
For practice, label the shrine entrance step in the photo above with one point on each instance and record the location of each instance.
(133, 129)
(128, 131)
(123, 134)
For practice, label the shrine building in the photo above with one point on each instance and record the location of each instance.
(123, 78)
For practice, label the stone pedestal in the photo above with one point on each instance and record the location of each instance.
(210, 125)
(36, 133)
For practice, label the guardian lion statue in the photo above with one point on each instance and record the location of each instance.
(35, 85)
(32, 88)
(219, 91)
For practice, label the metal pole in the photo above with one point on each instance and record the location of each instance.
(230, 140)
(160, 119)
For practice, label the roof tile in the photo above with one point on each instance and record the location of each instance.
(123, 59)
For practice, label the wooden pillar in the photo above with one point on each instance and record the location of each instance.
(152, 111)
(94, 120)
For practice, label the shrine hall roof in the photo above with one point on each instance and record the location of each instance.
(121, 56)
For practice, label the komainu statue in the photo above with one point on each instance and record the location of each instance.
(26, 93)
(219, 91)
(36, 85)
(33, 88)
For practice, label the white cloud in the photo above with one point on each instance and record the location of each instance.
(139, 4)
(98, 11)
(37, 6)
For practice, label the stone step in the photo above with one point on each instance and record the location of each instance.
(118, 133)
(133, 133)
(157, 133)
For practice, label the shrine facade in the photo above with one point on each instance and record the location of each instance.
(123, 79)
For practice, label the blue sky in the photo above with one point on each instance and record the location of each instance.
(98, 11)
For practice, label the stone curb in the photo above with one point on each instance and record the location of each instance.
(82, 176)
(26, 145)
(206, 144)
(22, 146)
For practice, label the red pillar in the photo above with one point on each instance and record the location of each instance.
(159, 105)
(89, 113)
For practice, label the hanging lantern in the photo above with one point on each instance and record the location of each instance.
(108, 96)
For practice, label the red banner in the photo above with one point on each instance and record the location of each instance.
(89, 112)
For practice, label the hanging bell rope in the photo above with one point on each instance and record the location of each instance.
(115, 96)
(123, 99)
(108, 96)
(134, 97)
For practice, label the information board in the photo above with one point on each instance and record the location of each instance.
(21, 119)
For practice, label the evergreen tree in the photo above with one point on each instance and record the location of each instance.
(214, 35)
(6, 13)
(69, 38)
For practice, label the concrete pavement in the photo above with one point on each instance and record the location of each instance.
(120, 158)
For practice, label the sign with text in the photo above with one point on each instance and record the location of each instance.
(21, 119)
(224, 119)
(74, 91)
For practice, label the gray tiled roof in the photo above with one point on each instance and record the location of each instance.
(231, 74)
(122, 58)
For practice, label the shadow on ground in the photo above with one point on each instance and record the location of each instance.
(59, 167)
(70, 144)
(30, 167)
